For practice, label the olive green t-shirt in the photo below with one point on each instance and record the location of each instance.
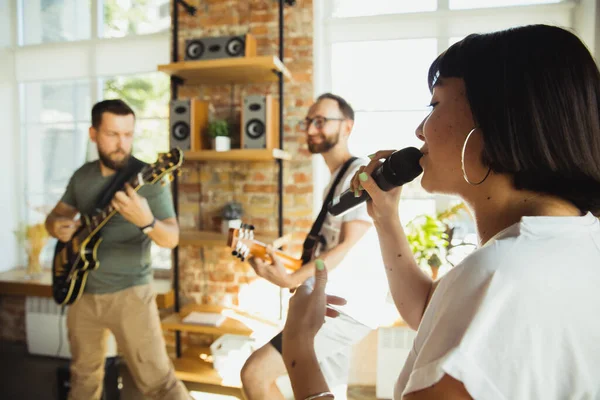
(124, 252)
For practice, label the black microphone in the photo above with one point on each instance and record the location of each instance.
(399, 168)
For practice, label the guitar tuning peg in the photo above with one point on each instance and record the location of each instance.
(179, 172)
(234, 253)
(251, 227)
(171, 177)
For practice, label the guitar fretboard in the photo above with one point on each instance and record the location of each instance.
(98, 220)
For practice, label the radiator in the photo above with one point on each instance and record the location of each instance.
(46, 329)
(393, 347)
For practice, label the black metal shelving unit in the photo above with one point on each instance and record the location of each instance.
(175, 83)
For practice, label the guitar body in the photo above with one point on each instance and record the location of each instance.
(71, 264)
(74, 260)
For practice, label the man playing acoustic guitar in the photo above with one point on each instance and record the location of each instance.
(118, 296)
(342, 242)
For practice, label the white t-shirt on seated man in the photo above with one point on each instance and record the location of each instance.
(359, 277)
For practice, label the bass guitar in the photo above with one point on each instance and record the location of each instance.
(241, 241)
(74, 259)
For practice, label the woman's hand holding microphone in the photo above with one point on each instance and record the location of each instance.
(383, 205)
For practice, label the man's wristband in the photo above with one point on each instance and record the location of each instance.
(148, 228)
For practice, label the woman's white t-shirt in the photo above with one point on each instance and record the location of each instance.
(518, 318)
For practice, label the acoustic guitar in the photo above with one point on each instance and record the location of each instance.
(241, 241)
(74, 259)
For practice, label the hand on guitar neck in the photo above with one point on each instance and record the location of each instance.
(270, 264)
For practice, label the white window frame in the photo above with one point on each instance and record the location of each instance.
(442, 24)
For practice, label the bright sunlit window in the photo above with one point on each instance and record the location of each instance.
(80, 67)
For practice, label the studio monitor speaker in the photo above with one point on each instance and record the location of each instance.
(211, 48)
(260, 122)
(188, 120)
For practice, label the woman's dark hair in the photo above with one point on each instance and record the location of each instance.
(114, 106)
(535, 93)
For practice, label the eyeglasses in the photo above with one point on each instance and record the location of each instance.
(319, 122)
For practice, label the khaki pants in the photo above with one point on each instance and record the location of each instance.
(132, 316)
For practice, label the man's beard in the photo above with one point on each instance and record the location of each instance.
(113, 164)
(325, 145)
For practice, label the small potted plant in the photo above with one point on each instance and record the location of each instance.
(232, 216)
(218, 130)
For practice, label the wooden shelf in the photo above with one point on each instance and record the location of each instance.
(208, 238)
(237, 155)
(195, 365)
(236, 323)
(16, 282)
(228, 70)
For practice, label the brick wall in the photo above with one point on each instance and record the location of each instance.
(210, 274)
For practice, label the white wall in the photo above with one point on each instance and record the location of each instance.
(587, 26)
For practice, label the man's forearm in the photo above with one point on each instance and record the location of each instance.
(409, 285)
(165, 234)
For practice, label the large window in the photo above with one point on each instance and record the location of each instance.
(377, 53)
(83, 65)
(54, 125)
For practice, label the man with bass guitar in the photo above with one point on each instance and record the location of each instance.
(343, 243)
(118, 296)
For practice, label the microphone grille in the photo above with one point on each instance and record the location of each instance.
(404, 164)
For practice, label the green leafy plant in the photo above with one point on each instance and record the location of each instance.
(430, 238)
(218, 127)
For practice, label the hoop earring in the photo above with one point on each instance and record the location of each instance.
(462, 163)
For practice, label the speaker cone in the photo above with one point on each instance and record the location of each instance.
(195, 49)
(255, 128)
(181, 131)
(234, 47)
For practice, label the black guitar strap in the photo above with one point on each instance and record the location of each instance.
(314, 237)
(118, 181)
